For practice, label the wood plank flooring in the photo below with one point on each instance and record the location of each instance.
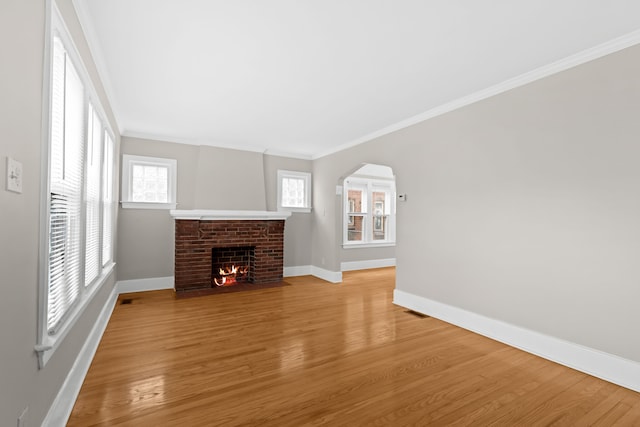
(314, 353)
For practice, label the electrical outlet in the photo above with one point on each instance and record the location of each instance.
(23, 417)
(14, 175)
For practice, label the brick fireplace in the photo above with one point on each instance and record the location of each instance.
(210, 242)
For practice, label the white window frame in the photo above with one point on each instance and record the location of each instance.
(128, 162)
(306, 176)
(49, 337)
(368, 186)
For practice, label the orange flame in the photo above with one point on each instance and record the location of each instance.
(228, 275)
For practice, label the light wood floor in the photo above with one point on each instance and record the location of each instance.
(314, 353)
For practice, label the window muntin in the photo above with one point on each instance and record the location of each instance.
(148, 182)
(294, 191)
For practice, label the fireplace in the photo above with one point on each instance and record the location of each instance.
(218, 249)
(232, 265)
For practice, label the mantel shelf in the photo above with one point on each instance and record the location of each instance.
(222, 215)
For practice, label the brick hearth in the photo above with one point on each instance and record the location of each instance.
(195, 239)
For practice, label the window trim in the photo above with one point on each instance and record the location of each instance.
(306, 176)
(369, 185)
(46, 343)
(130, 160)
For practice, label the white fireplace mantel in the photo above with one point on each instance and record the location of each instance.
(216, 215)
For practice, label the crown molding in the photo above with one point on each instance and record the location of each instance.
(579, 58)
(215, 144)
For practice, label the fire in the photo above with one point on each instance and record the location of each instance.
(228, 276)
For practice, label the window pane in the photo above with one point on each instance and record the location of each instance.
(92, 201)
(379, 202)
(379, 227)
(355, 199)
(355, 228)
(293, 192)
(65, 201)
(107, 198)
(150, 183)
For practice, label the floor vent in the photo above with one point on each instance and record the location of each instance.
(126, 301)
(415, 313)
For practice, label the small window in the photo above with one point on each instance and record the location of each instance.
(148, 182)
(294, 191)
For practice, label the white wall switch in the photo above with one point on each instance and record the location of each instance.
(402, 197)
(14, 175)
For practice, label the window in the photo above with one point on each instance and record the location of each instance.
(77, 224)
(148, 182)
(67, 136)
(369, 212)
(294, 191)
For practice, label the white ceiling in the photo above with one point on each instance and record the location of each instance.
(306, 78)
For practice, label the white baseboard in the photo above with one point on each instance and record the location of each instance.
(62, 406)
(365, 265)
(312, 270)
(608, 367)
(329, 276)
(300, 270)
(142, 285)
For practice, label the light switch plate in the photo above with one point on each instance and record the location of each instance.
(14, 175)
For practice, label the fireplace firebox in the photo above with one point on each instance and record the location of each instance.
(232, 265)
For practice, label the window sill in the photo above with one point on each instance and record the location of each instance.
(352, 245)
(299, 210)
(147, 205)
(48, 344)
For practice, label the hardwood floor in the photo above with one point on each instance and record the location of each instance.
(314, 353)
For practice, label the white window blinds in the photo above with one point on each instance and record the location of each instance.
(65, 179)
(107, 196)
(92, 200)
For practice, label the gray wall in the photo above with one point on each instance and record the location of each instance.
(22, 384)
(145, 236)
(297, 229)
(524, 207)
(208, 178)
